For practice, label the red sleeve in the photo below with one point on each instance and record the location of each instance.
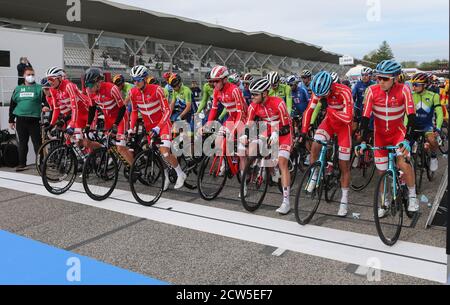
(308, 113)
(240, 102)
(72, 91)
(165, 108)
(346, 115)
(251, 114)
(409, 102)
(284, 115)
(55, 108)
(115, 93)
(368, 103)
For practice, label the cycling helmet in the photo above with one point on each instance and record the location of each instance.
(208, 75)
(260, 85)
(234, 78)
(306, 73)
(151, 80)
(401, 78)
(139, 72)
(321, 83)
(45, 83)
(118, 79)
(93, 75)
(54, 72)
(389, 67)
(273, 77)
(292, 80)
(174, 80)
(248, 78)
(420, 78)
(335, 77)
(219, 72)
(366, 71)
(167, 75)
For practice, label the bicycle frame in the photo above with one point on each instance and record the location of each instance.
(391, 166)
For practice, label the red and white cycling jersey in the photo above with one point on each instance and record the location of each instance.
(79, 103)
(154, 107)
(232, 99)
(388, 108)
(339, 107)
(272, 111)
(108, 99)
(60, 102)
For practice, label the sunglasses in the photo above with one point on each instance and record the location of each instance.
(216, 81)
(51, 79)
(418, 85)
(90, 85)
(366, 74)
(256, 94)
(138, 79)
(384, 79)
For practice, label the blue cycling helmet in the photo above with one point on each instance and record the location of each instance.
(291, 80)
(321, 83)
(45, 83)
(390, 67)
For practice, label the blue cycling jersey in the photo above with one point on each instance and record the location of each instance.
(359, 92)
(300, 99)
(247, 96)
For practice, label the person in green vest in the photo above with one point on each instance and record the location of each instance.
(280, 90)
(25, 113)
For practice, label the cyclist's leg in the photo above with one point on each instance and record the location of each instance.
(323, 133)
(121, 141)
(344, 133)
(283, 163)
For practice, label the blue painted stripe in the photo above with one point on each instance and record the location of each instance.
(27, 262)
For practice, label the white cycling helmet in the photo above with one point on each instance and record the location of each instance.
(273, 77)
(306, 73)
(259, 86)
(219, 72)
(139, 71)
(335, 77)
(54, 72)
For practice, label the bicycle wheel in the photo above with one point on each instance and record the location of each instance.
(418, 170)
(388, 197)
(332, 184)
(43, 152)
(309, 194)
(59, 170)
(147, 178)
(256, 180)
(211, 180)
(362, 170)
(100, 173)
(190, 168)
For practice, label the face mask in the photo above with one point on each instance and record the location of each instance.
(30, 79)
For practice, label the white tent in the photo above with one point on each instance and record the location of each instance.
(355, 72)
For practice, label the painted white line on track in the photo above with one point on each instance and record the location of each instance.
(406, 258)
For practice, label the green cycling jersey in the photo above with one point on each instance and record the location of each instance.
(283, 91)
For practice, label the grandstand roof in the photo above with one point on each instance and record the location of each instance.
(119, 18)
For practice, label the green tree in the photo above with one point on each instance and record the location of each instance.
(410, 64)
(382, 53)
(434, 65)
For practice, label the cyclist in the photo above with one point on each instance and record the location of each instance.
(389, 101)
(232, 99)
(272, 110)
(66, 93)
(207, 93)
(427, 104)
(335, 78)
(108, 98)
(306, 76)
(280, 90)
(124, 87)
(299, 96)
(167, 88)
(151, 102)
(338, 120)
(359, 92)
(246, 80)
(182, 101)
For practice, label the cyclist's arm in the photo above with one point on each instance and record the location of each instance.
(164, 107)
(72, 91)
(308, 113)
(187, 109)
(316, 113)
(367, 112)
(438, 111)
(56, 110)
(214, 108)
(288, 98)
(284, 115)
(92, 111)
(115, 93)
(223, 114)
(205, 97)
(240, 102)
(134, 114)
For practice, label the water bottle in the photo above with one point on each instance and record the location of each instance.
(439, 140)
